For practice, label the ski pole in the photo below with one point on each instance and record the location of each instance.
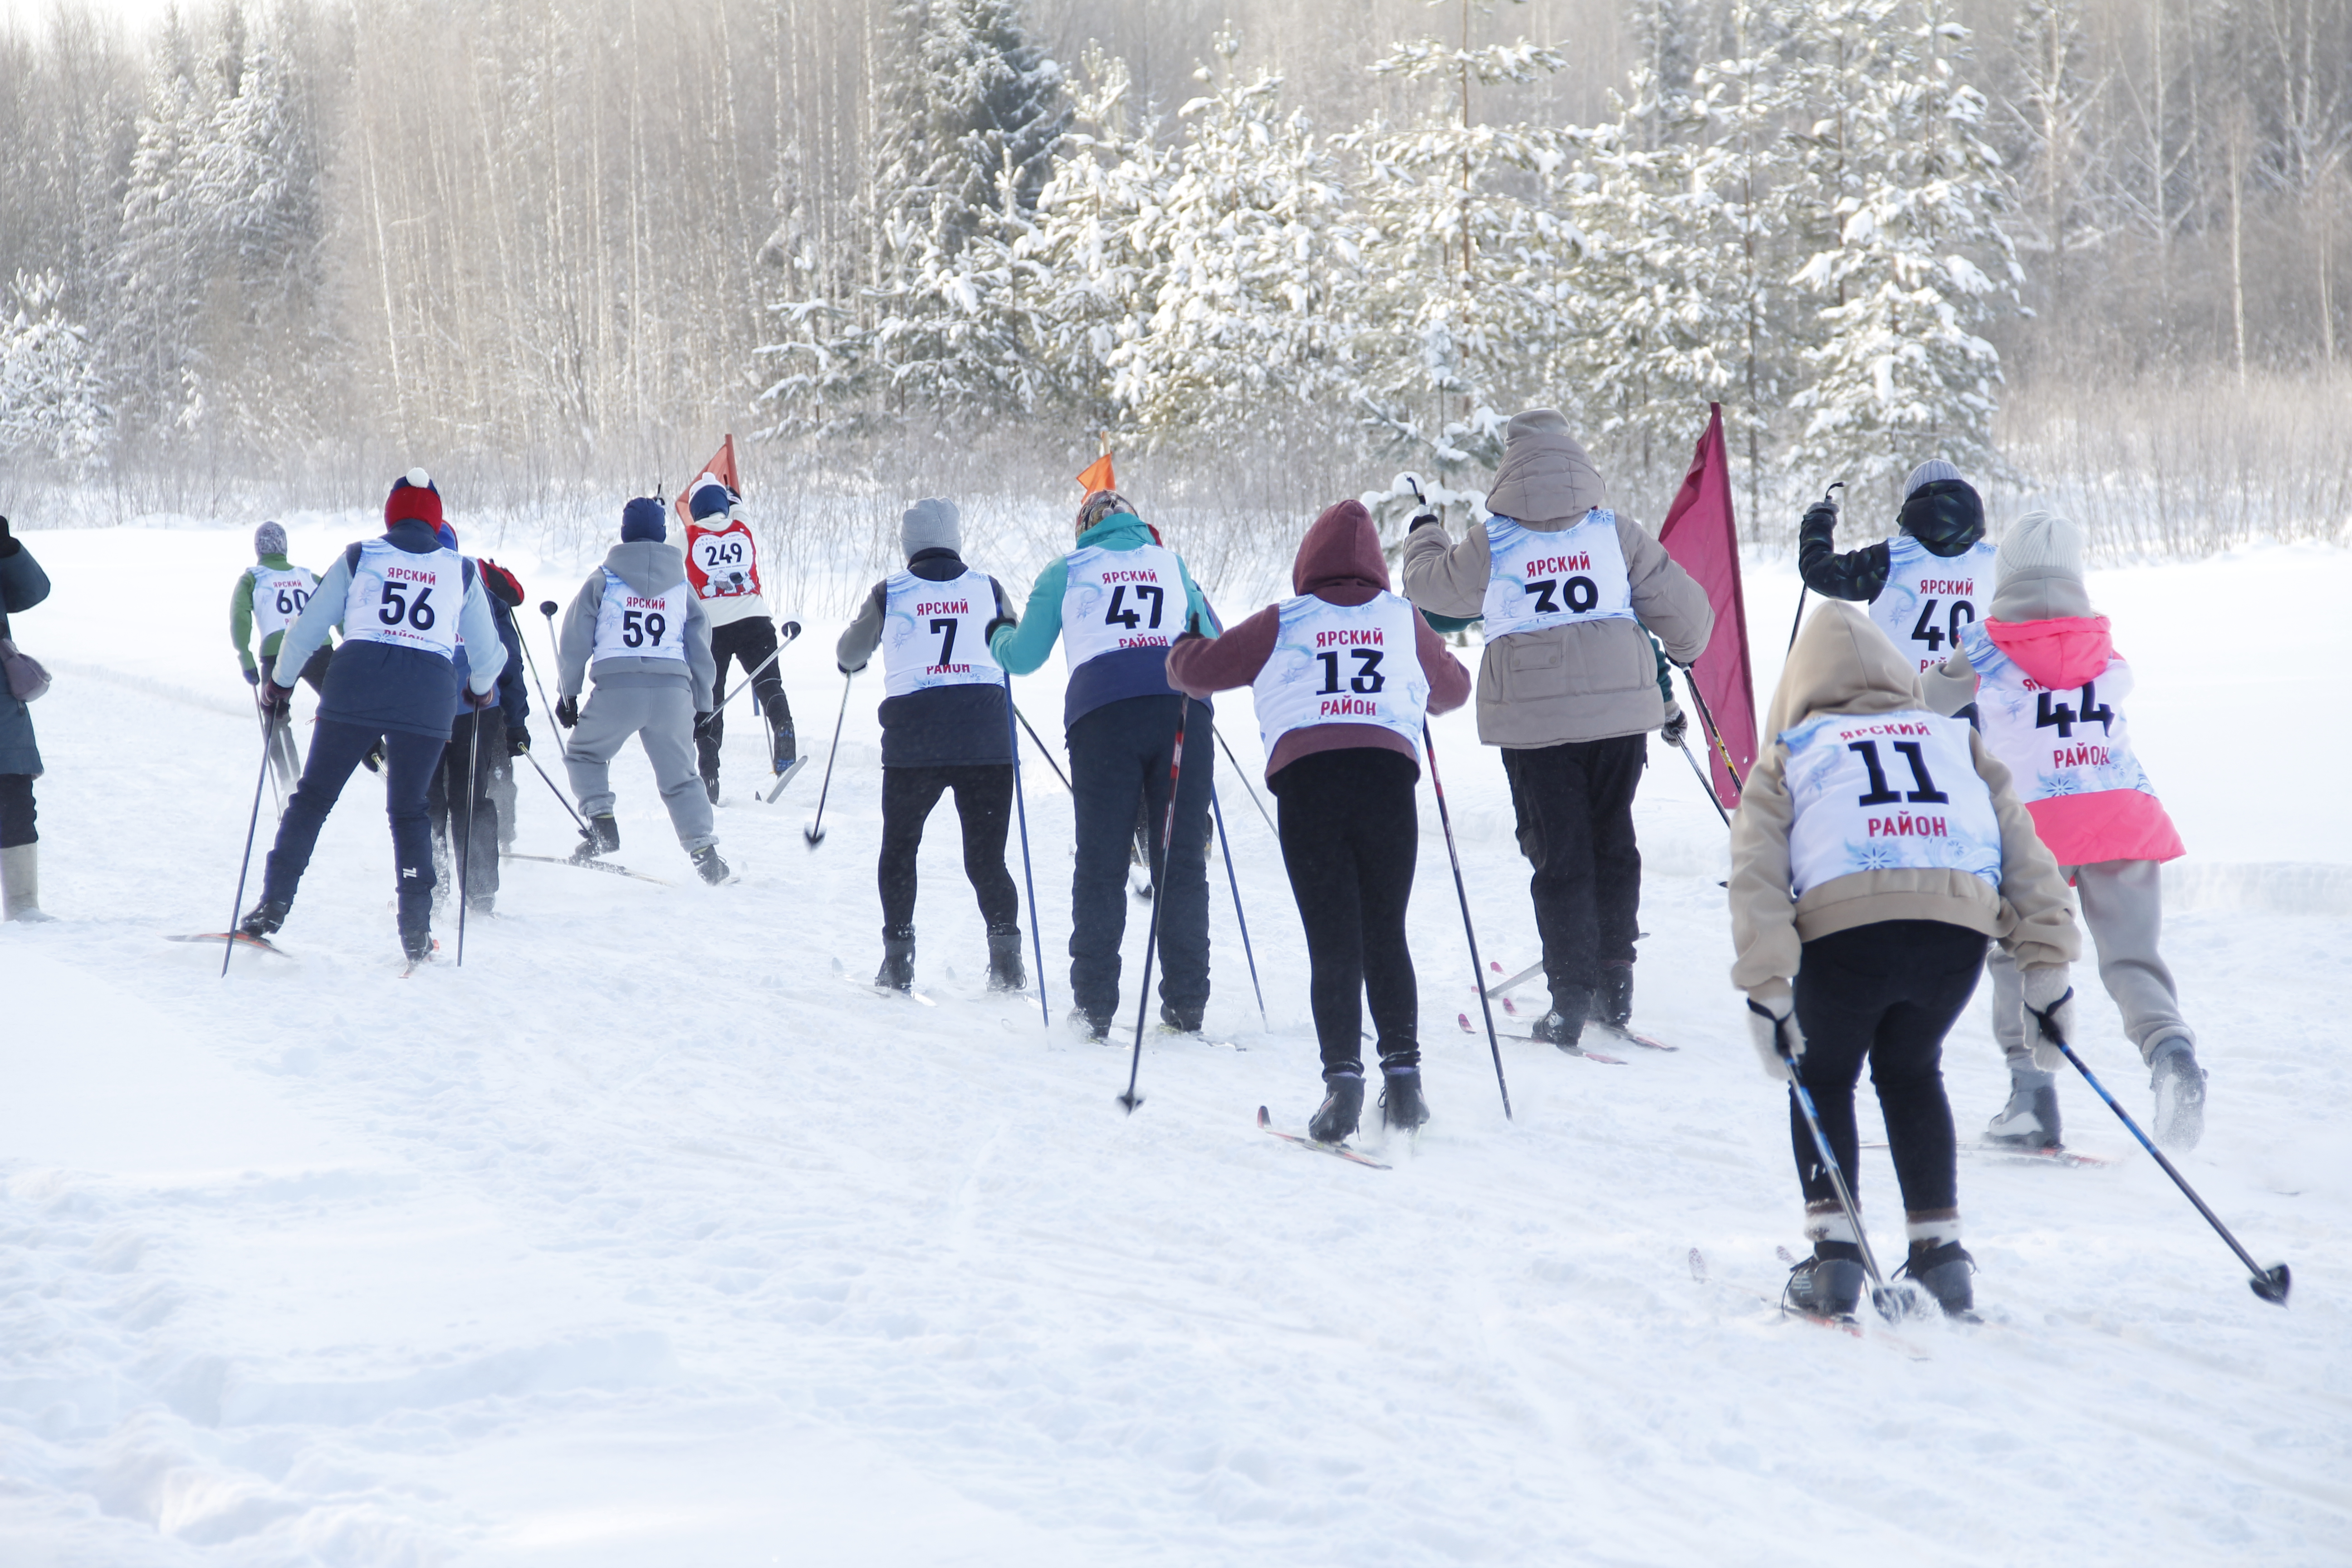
(1705, 783)
(1462, 892)
(1891, 1303)
(466, 846)
(1242, 774)
(1036, 934)
(1151, 936)
(560, 795)
(791, 629)
(815, 831)
(1235, 882)
(1690, 684)
(269, 736)
(2270, 1284)
(228, 943)
(1042, 747)
(545, 706)
(1829, 500)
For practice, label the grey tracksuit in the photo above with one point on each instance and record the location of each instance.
(2122, 905)
(653, 699)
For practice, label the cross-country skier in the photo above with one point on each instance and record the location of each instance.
(944, 727)
(722, 563)
(23, 584)
(514, 703)
(2048, 690)
(268, 595)
(1568, 687)
(401, 601)
(1341, 675)
(1117, 602)
(474, 760)
(637, 628)
(1925, 585)
(1876, 848)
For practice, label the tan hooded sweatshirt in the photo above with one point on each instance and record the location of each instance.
(1844, 664)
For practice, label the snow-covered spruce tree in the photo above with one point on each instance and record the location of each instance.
(1469, 301)
(969, 114)
(50, 398)
(151, 348)
(1906, 198)
(1254, 248)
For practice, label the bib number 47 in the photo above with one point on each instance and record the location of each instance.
(1119, 615)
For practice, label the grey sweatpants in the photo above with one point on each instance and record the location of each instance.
(663, 718)
(2123, 905)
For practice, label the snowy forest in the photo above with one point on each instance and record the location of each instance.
(267, 254)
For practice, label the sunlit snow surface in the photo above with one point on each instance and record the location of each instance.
(647, 1239)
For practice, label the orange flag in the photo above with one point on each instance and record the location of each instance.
(722, 468)
(1097, 476)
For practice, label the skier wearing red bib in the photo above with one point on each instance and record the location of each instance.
(944, 727)
(1343, 675)
(1569, 689)
(2049, 691)
(1876, 848)
(722, 564)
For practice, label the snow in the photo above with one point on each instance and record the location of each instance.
(647, 1237)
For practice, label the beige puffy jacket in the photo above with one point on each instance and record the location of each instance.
(1844, 664)
(1586, 681)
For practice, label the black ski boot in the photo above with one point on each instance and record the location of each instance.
(782, 744)
(1335, 1119)
(897, 971)
(1570, 1005)
(415, 942)
(1183, 1020)
(710, 787)
(2030, 1119)
(708, 865)
(1828, 1285)
(1090, 1026)
(1613, 1003)
(2179, 1086)
(1942, 1269)
(1401, 1106)
(601, 836)
(265, 919)
(1005, 971)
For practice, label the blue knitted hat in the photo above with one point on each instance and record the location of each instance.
(642, 518)
(708, 499)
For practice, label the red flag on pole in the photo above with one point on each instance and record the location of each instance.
(1701, 535)
(722, 468)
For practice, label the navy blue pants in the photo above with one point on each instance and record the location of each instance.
(1120, 755)
(336, 748)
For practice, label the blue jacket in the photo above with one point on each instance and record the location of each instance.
(23, 584)
(514, 704)
(374, 685)
(1113, 676)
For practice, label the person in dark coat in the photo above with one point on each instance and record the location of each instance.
(23, 584)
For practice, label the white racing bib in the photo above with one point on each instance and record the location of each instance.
(2055, 742)
(408, 601)
(1873, 791)
(1113, 599)
(1537, 580)
(1929, 599)
(722, 563)
(630, 624)
(932, 634)
(278, 597)
(1336, 664)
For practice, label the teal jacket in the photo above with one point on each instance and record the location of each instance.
(1112, 677)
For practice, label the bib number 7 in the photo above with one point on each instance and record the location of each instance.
(945, 629)
(1118, 616)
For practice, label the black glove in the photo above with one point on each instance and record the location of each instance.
(1821, 513)
(1677, 725)
(993, 627)
(1191, 633)
(252, 676)
(1426, 520)
(477, 701)
(567, 711)
(275, 698)
(518, 741)
(702, 724)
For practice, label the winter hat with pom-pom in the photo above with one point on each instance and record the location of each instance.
(412, 497)
(708, 498)
(2041, 544)
(270, 539)
(930, 523)
(642, 518)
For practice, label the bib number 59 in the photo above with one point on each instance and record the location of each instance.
(639, 627)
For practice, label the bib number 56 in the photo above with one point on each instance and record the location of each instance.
(398, 608)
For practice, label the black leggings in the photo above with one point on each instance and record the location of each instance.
(1349, 838)
(1888, 992)
(984, 795)
(748, 641)
(16, 812)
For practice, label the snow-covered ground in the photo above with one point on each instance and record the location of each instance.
(647, 1237)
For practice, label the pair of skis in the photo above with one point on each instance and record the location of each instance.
(1500, 991)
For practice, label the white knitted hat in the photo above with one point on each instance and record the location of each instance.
(2041, 543)
(1928, 473)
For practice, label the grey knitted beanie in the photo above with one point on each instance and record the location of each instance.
(270, 539)
(930, 523)
(1926, 473)
(2041, 543)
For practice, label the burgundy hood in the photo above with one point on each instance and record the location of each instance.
(1339, 559)
(2059, 653)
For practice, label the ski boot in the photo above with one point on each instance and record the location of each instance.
(1092, 1028)
(1335, 1119)
(897, 971)
(1828, 1285)
(709, 867)
(1570, 1005)
(1942, 1269)
(1401, 1106)
(265, 919)
(415, 939)
(2179, 1086)
(1183, 1020)
(710, 787)
(783, 746)
(1612, 1004)
(601, 836)
(2030, 1119)
(1005, 971)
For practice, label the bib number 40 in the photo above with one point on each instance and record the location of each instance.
(1961, 614)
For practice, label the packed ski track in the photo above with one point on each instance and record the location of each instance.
(650, 1236)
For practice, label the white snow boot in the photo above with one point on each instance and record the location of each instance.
(2030, 1119)
(2179, 1086)
(20, 884)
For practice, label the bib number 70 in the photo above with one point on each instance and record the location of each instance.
(1582, 594)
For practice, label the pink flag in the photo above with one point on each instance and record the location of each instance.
(1701, 536)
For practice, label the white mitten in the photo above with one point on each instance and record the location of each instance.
(2048, 1014)
(1772, 1024)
